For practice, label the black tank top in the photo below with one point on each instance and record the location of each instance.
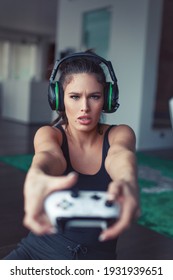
(96, 182)
(57, 246)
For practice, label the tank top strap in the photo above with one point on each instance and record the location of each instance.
(106, 144)
(64, 145)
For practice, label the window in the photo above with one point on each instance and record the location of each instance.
(96, 31)
(4, 59)
(17, 60)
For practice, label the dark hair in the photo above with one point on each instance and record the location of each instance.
(80, 65)
(76, 66)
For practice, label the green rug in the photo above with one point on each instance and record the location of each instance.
(21, 162)
(156, 194)
(156, 189)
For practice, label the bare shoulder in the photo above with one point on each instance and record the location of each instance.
(122, 135)
(47, 134)
(122, 129)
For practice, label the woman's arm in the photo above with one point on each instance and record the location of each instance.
(44, 177)
(122, 167)
(48, 154)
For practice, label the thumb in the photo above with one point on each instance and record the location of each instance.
(62, 182)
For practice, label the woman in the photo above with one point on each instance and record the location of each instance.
(79, 151)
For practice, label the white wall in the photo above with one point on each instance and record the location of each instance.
(25, 101)
(134, 46)
(15, 100)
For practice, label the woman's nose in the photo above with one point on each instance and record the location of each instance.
(85, 105)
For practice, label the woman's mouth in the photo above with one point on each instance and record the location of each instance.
(84, 120)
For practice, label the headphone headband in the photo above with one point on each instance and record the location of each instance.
(87, 55)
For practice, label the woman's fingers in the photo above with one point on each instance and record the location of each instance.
(122, 193)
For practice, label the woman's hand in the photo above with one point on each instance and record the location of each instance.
(37, 186)
(127, 197)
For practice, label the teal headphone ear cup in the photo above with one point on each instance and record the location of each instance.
(110, 98)
(56, 96)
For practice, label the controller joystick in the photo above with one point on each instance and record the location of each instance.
(75, 193)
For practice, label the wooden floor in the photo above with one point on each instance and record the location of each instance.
(136, 243)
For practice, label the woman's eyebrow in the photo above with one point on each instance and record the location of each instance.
(95, 92)
(80, 93)
(73, 92)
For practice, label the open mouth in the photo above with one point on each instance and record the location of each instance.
(84, 120)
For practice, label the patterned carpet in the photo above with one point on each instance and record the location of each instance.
(156, 189)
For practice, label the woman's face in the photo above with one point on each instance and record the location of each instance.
(83, 100)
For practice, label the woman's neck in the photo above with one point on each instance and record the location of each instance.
(84, 138)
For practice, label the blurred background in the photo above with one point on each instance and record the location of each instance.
(135, 35)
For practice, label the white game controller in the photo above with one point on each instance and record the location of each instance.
(81, 209)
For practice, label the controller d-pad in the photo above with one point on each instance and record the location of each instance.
(64, 204)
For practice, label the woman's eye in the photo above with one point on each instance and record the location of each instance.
(95, 97)
(75, 97)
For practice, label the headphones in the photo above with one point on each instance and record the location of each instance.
(56, 93)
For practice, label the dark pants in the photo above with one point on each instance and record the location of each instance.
(58, 247)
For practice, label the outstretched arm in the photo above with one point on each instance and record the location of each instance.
(122, 168)
(44, 177)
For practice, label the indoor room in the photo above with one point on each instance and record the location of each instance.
(136, 36)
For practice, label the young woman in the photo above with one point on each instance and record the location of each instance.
(79, 151)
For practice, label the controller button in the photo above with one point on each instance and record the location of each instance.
(64, 204)
(74, 194)
(96, 197)
(109, 203)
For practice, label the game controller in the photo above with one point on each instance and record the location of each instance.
(81, 209)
